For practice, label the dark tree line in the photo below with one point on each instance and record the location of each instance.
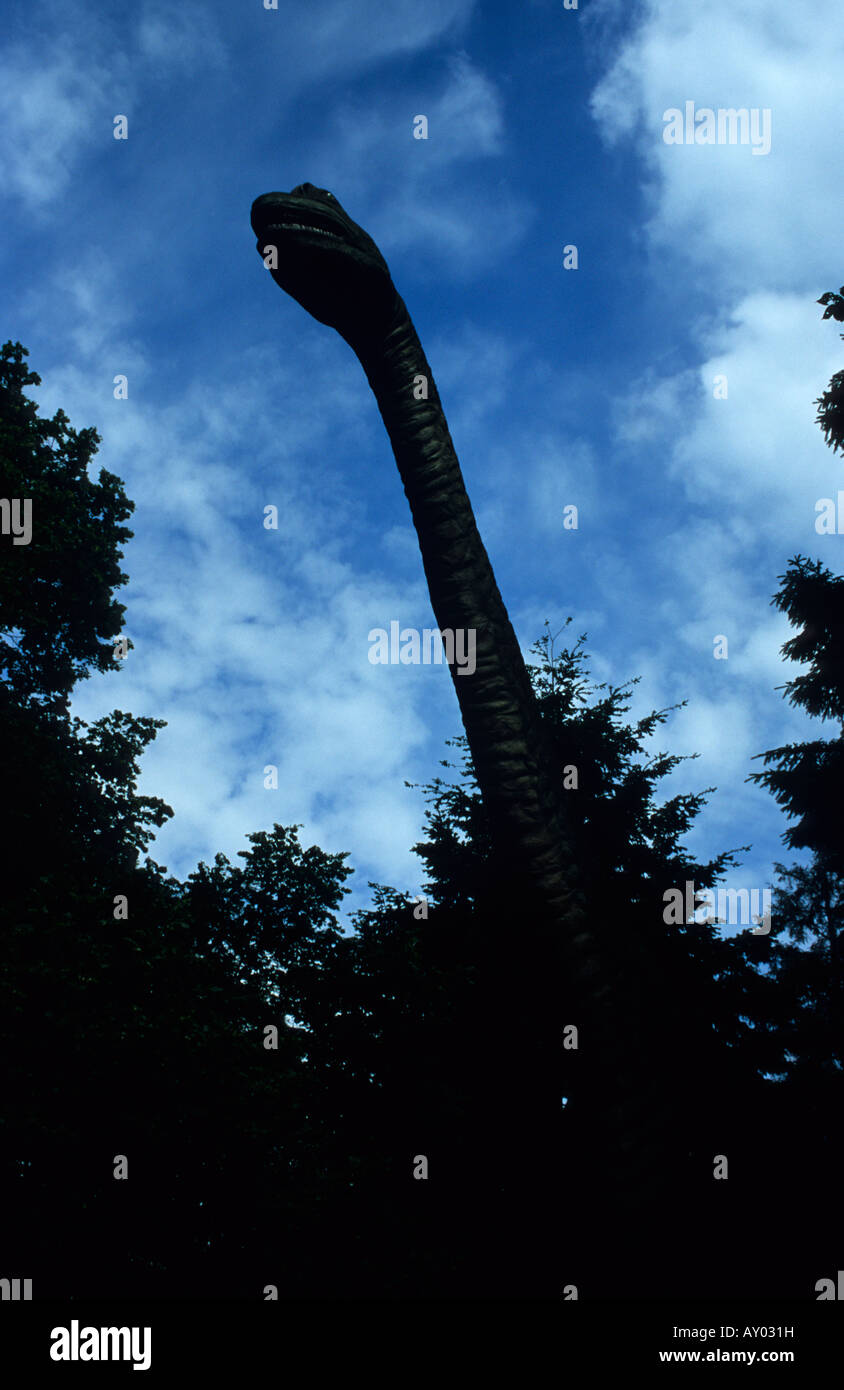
(272, 1082)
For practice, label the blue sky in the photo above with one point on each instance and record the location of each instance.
(591, 387)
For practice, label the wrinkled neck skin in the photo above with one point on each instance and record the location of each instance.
(552, 954)
(497, 703)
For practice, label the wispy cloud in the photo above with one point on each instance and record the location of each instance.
(753, 222)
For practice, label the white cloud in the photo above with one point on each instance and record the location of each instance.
(757, 456)
(252, 644)
(429, 196)
(749, 243)
(185, 37)
(331, 36)
(52, 110)
(63, 83)
(758, 221)
(467, 116)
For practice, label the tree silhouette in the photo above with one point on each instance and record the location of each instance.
(273, 1082)
(684, 989)
(799, 1006)
(57, 610)
(136, 1029)
(830, 405)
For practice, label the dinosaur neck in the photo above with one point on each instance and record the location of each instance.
(497, 703)
(551, 959)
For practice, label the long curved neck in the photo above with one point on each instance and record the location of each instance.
(557, 969)
(558, 966)
(497, 703)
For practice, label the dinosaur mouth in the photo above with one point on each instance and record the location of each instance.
(275, 217)
(303, 227)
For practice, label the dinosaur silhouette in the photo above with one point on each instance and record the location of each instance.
(336, 272)
(545, 950)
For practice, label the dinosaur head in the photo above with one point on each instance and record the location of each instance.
(326, 261)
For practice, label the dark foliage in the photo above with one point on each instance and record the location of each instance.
(273, 1082)
(830, 405)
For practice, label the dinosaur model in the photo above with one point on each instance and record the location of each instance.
(546, 947)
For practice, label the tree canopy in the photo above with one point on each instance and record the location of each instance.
(269, 1083)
